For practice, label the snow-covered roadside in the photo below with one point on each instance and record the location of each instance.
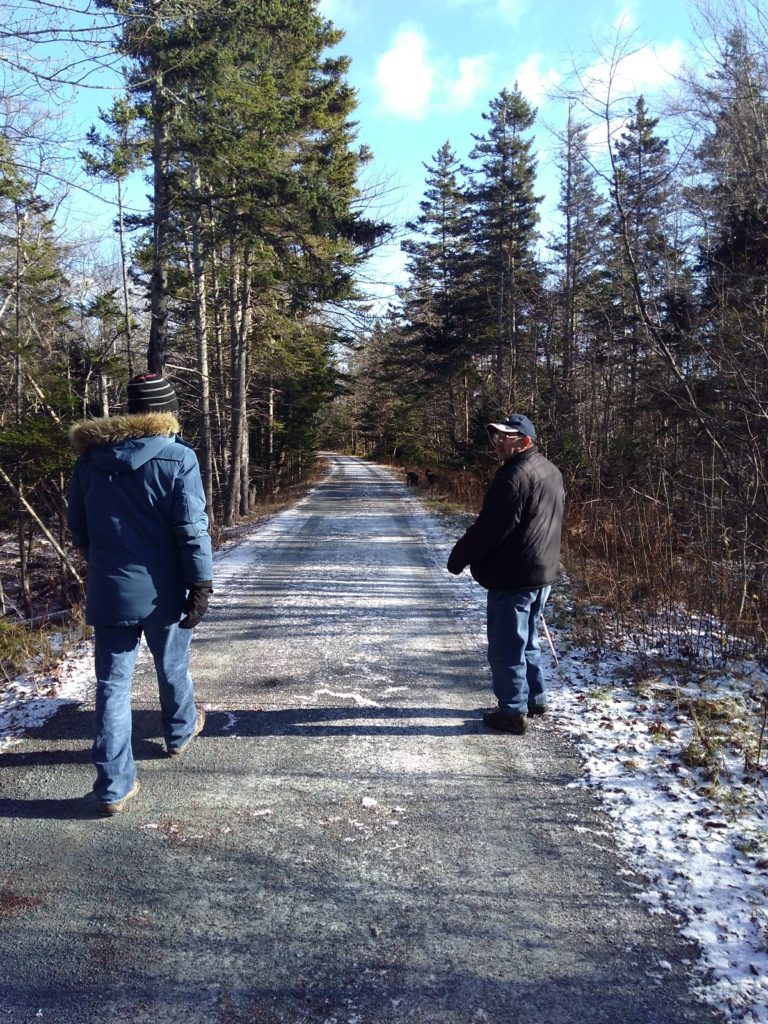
(703, 845)
(29, 700)
(699, 833)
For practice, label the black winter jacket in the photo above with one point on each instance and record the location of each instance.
(514, 543)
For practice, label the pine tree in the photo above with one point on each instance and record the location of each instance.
(35, 336)
(438, 333)
(731, 201)
(730, 381)
(113, 156)
(645, 260)
(255, 222)
(582, 387)
(505, 215)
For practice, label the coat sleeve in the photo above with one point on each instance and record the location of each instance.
(501, 513)
(76, 518)
(190, 522)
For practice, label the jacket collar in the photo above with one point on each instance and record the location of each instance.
(521, 455)
(110, 430)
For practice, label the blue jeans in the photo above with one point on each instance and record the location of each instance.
(116, 650)
(514, 653)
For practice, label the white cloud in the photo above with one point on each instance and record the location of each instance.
(405, 76)
(645, 70)
(641, 73)
(533, 82)
(410, 80)
(474, 76)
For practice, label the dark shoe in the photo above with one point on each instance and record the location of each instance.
(536, 710)
(175, 751)
(117, 805)
(506, 723)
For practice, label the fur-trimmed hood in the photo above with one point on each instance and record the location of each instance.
(113, 430)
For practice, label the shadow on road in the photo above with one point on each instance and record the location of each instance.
(76, 726)
(79, 808)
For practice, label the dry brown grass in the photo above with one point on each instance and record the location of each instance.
(632, 559)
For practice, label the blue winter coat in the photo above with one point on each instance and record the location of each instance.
(137, 510)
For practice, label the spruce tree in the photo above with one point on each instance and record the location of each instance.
(255, 223)
(644, 269)
(581, 252)
(438, 334)
(730, 381)
(730, 201)
(112, 156)
(505, 216)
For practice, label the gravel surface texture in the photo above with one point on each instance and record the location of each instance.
(345, 842)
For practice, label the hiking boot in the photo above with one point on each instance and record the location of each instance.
(116, 806)
(505, 723)
(175, 751)
(536, 710)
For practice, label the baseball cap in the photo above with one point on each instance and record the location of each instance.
(515, 423)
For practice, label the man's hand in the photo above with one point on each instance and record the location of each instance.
(455, 565)
(197, 603)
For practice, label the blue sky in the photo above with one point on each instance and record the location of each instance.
(425, 70)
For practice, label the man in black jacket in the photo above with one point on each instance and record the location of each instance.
(513, 550)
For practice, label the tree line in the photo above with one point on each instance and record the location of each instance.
(635, 333)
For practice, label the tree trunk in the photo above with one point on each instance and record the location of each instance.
(239, 326)
(271, 430)
(124, 274)
(26, 590)
(245, 331)
(201, 345)
(158, 327)
(220, 387)
(27, 509)
(235, 420)
(103, 394)
(245, 461)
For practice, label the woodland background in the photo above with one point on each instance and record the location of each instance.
(634, 332)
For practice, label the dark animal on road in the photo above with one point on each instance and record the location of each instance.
(411, 478)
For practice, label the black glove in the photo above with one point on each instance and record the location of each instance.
(455, 565)
(197, 603)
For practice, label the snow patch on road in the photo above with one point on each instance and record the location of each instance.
(356, 698)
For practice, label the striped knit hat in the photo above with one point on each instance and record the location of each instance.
(149, 392)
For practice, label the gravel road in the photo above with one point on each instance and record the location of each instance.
(345, 843)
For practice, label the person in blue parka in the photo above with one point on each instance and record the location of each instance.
(137, 515)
